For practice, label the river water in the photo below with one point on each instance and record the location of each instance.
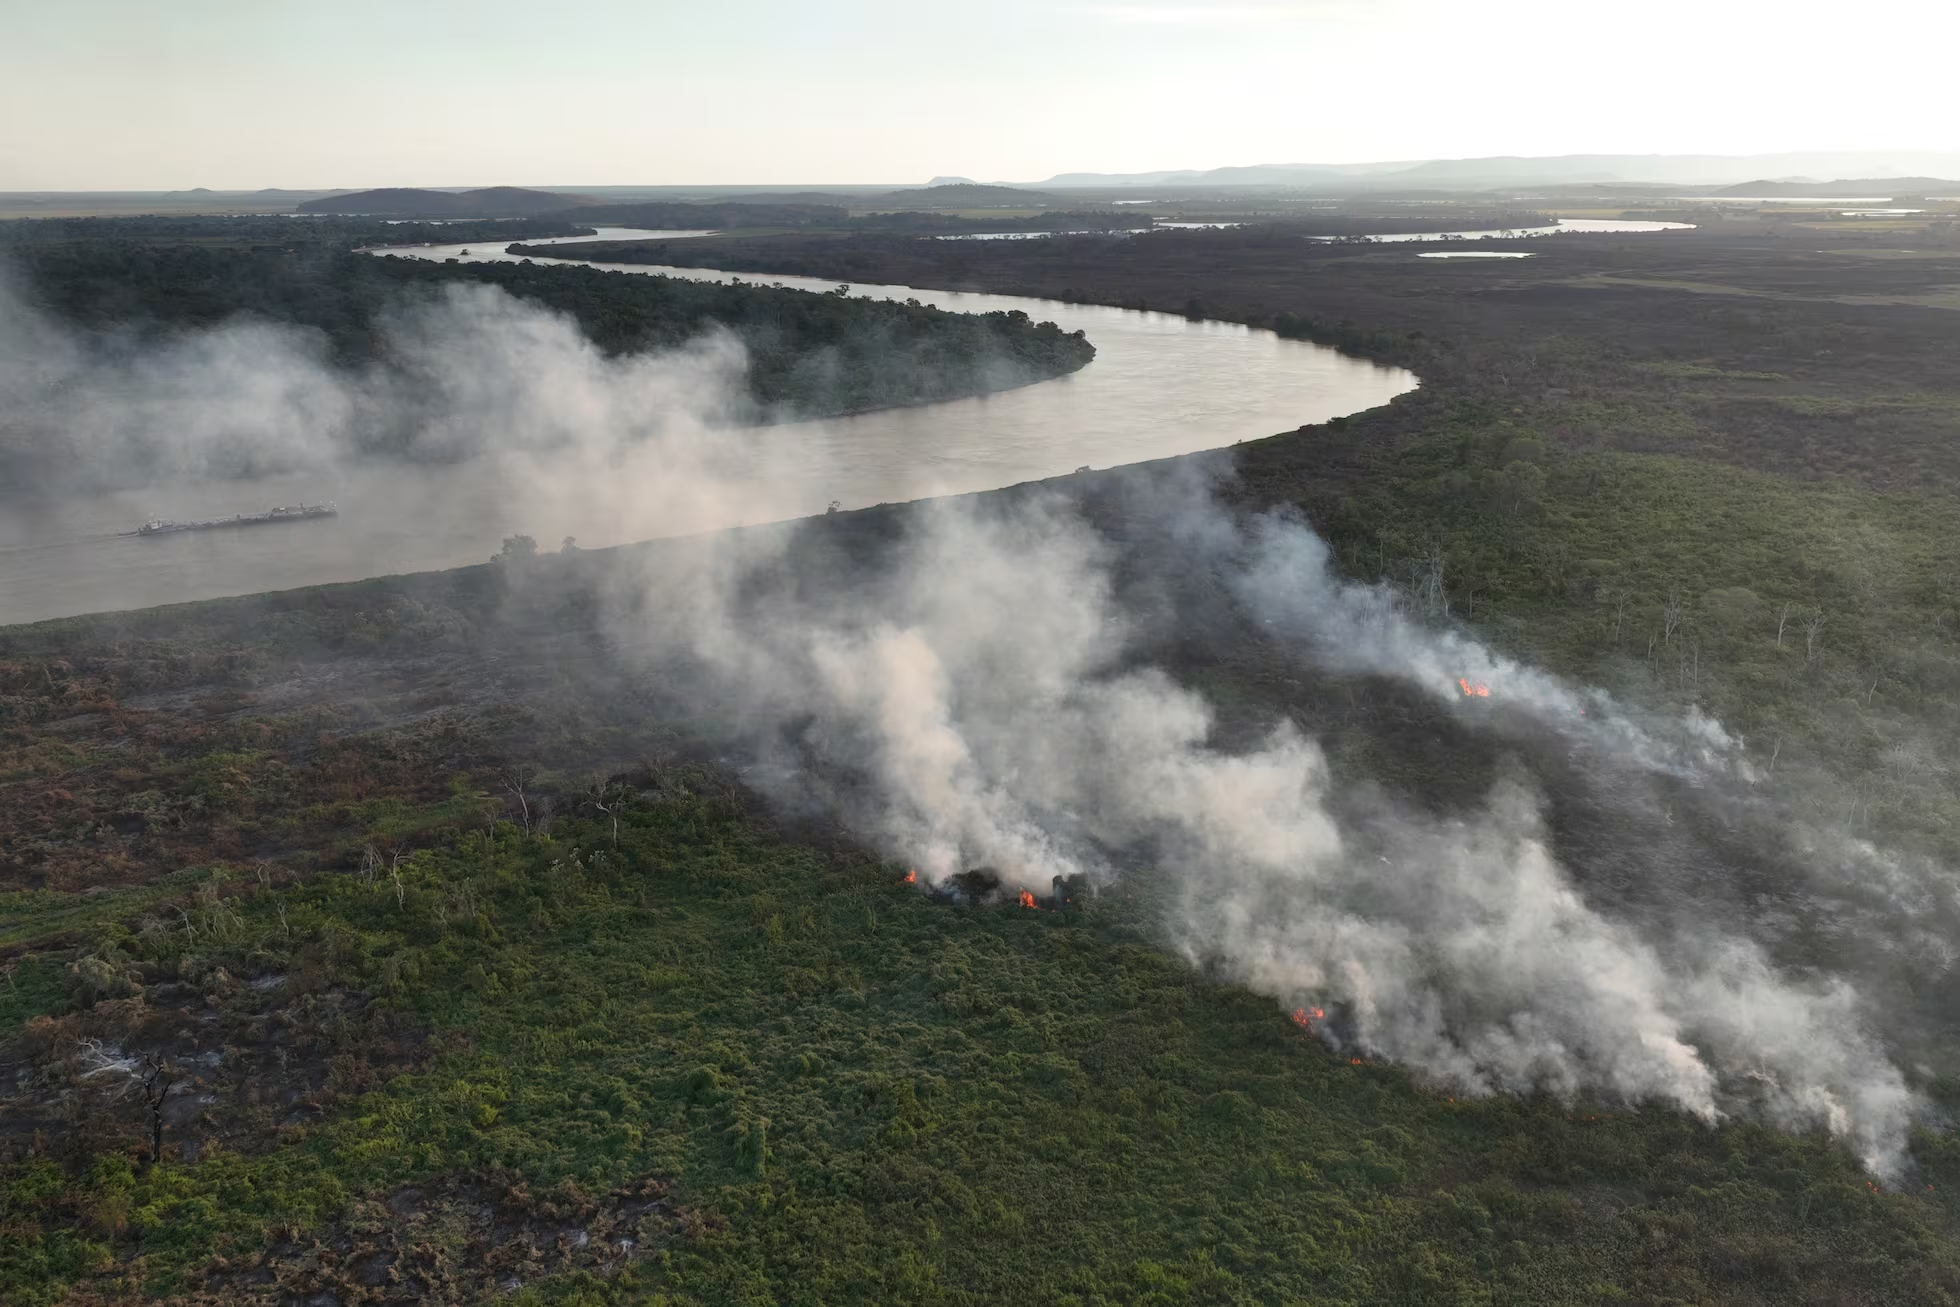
(1159, 386)
(1560, 226)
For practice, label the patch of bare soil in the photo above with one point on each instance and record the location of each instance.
(455, 1240)
(238, 1064)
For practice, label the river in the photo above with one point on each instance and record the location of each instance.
(1160, 386)
(1559, 227)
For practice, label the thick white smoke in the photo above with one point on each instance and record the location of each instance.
(988, 694)
(983, 693)
(241, 396)
(470, 371)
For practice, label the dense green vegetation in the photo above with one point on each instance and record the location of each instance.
(467, 979)
(789, 1077)
(415, 202)
(815, 353)
(277, 231)
(1051, 220)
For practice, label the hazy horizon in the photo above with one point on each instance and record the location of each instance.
(1692, 169)
(233, 96)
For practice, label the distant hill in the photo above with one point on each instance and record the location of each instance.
(675, 216)
(1848, 188)
(822, 199)
(1568, 169)
(409, 202)
(1261, 174)
(968, 195)
(1681, 169)
(951, 181)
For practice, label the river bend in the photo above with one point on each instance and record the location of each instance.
(1160, 386)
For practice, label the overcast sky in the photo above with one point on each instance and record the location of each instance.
(115, 94)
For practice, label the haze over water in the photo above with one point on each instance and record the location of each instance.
(1160, 386)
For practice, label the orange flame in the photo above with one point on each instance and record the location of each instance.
(1027, 899)
(911, 876)
(1473, 689)
(1304, 1017)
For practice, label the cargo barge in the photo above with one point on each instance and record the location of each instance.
(157, 526)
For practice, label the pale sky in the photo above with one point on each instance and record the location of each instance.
(239, 94)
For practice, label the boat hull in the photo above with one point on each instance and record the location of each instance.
(303, 513)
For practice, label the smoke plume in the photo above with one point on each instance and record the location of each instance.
(1617, 905)
(987, 696)
(465, 372)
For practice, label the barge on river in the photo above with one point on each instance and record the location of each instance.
(157, 526)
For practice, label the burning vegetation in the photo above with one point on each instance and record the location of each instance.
(859, 1090)
(655, 1047)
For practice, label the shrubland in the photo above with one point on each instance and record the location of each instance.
(691, 1058)
(476, 983)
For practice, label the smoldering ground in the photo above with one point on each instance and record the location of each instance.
(1541, 890)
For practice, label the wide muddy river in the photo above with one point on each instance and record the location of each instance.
(1159, 386)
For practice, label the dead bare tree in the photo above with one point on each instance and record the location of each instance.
(1783, 621)
(1906, 760)
(1619, 598)
(1671, 616)
(609, 797)
(517, 779)
(1427, 583)
(126, 1074)
(1813, 639)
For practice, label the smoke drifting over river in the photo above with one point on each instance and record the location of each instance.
(1613, 912)
(468, 371)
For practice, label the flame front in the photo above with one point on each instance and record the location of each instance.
(1027, 899)
(1304, 1017)
(1473, 689)
(911, 876)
